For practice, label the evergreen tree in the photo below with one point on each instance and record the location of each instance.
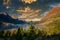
(31, 32)
(19, 35)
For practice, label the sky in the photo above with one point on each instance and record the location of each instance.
(43, 6)
(27, 10)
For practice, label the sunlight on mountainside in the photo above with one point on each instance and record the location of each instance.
(52, 21)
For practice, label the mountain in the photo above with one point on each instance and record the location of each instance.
(4, 17)
(51, 15)
(53, 12)
(9, 21)
(51, 23)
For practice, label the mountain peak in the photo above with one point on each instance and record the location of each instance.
(55, 10)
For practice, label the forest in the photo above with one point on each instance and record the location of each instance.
(31, 33)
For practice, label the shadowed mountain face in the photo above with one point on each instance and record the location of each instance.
(8, 22)
(4, 17)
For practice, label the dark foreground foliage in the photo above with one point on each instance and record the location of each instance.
(31, 33)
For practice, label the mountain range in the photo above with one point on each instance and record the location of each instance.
(51, 21)
(9, 22)
(52, 16)
(4, 17)
(53, 12)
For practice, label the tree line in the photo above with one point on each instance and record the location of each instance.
(31, 33)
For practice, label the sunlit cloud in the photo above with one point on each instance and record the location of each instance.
(31, 19)
(29, 1)
(27, 12)
(14, 17)
(5, 2)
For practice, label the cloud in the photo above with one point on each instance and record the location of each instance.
(31, 19)
(6, 2)
(44, 5)
(27, 12)
(29, 1)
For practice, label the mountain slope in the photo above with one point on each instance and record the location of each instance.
(8, 22)
(52, 21)
(4, 17)
(54, 12)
